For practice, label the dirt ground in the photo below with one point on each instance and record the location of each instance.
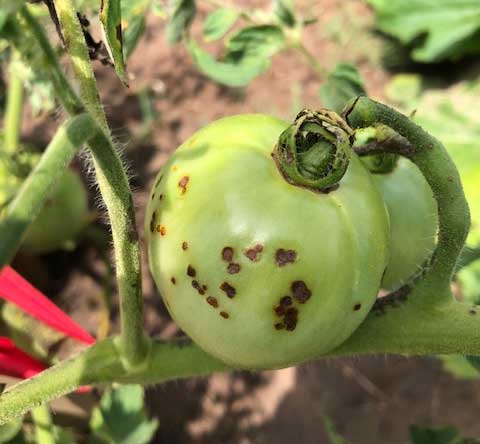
(370, 400)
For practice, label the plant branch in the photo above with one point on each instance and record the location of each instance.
(14, 108)
(441, 174)
(111, 177)
(34, 191)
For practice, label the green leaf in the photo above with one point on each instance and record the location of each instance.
(284, 10)
(182, 13)
(460, 367)
(257, 41)
(475, 362)
(235, 70)
(430, 435)
(10, 430)
(331, 432)
(343, 83)
(121, 418)
(133, 23)
(218, 23)
(111, 20)
(439, 29)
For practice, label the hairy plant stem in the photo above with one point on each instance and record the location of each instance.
(440, 172)
(14, 108)
(42, 420)
(35, 190)
(111, 177)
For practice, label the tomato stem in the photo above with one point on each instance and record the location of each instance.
(14, 108)
(35, 190)
(111, 177)
(441, 174)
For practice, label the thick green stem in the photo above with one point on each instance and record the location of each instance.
(80, 59)
(42, 421)
(111, 177)
(441, 174)
(34, 191)
(14, 108)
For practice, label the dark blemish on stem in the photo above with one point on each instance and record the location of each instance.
(228, 289)
(301, 292)
(183, 184)
(253, 253)
(173, 280)
(284, 257)
(227, 254)
(224, 314)
(184, 246)
(357, 307)
(233, 268)
(191, 271)
(212, 301)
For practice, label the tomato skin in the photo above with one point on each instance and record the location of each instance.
(62, 218)
(259, 272)
(413, 221)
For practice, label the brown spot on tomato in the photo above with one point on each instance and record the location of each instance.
(279, 310)
(204, 288)
(253, 253)
(291, 319)
(284, 257)
(160, 197)
(279, 326)
(195, 285)
(233, 268)
(153, 221)
(212, 301)
(183, 184)
(184, 246)
(191, 271)
(228, 289)
(173, 280)
(286, 301)
(300, 291)
(224, 314)
(227, 254)
(357, 307)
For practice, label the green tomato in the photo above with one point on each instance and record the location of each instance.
(259, 272)
(413, 221)
(62, 218)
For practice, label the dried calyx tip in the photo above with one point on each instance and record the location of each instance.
(314, 152)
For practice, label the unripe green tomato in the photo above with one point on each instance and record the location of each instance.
(259, 272)
(413, 221)
(61, 219)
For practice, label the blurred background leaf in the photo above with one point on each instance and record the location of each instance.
(181, 15)
(436, 29)
(218, 23)
(121, 418)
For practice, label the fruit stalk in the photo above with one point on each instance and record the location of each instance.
(441, 174)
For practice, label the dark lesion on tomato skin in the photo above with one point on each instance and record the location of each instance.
(253, 253)
(227, 254)
(184, 246)
(182, 183)
(286, 309)
(173, 280)
(224, 315)
(233, 268)
(153, 221)
(284, 257)
(228, 289)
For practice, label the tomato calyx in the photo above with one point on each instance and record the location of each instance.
(314, 152)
